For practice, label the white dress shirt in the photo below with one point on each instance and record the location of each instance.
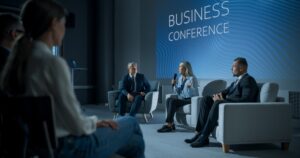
(50, 75)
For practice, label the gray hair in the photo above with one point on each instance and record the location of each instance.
(131, 64)
(187, 65)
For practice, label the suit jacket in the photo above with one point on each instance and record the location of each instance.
(3, 57)
(142, 84)
(246, 90)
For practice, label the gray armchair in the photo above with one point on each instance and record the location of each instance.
(148, 105)
(188, 114)
(267, 121)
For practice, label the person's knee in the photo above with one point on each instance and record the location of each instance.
(122, 99)
(128, 121)
(206, 100)
(172, 102)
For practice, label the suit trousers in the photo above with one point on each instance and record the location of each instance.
(208, 115)
(135, 106)
(172, 106)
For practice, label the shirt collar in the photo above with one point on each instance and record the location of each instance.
(43, 46)
(132, 75)
(241, 76)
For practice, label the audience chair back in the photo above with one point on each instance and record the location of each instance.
(27, 127)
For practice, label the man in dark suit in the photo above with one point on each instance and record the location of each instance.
(134, 88)
(244, 89)
(10, 29)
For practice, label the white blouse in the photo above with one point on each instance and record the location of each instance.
(50, 75)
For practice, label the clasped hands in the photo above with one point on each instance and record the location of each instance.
(131, 97)
(217, 96)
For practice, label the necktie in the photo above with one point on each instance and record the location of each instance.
(134, 84)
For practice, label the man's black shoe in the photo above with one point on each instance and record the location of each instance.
(200, 142)
(192, 139)
(166, 128)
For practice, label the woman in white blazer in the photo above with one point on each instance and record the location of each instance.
(33, 71)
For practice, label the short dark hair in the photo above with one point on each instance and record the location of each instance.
(7, 22)
(241, 61)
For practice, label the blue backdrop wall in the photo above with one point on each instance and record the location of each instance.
(211, 33)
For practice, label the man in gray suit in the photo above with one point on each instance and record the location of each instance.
(244, 89)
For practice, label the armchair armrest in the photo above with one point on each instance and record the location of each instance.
(151, 99)
(112, 96)
(171, 96)
(195, 108)
(242, 123)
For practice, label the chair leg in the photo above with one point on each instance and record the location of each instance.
(285, 146)
(146, 119)
(151, 115)
(225, 148)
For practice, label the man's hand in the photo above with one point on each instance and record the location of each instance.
(218, 96)
(107, 123)
(130, 97)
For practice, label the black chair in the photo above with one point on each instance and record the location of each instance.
(27, 127)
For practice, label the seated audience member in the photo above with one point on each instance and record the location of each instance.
(134, 88)
(10, 28)
(32, 70)
(244, 89)
(185, 88)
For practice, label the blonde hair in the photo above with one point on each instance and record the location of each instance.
(188, 68)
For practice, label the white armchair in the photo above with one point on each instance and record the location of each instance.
(267, 121)
(149, 104)
(188, 114)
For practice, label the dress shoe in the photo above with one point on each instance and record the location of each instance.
(192, 139)
(166, 128)
(200, 142)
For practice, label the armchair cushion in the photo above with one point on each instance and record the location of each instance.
(213, 87)
(268, 92)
